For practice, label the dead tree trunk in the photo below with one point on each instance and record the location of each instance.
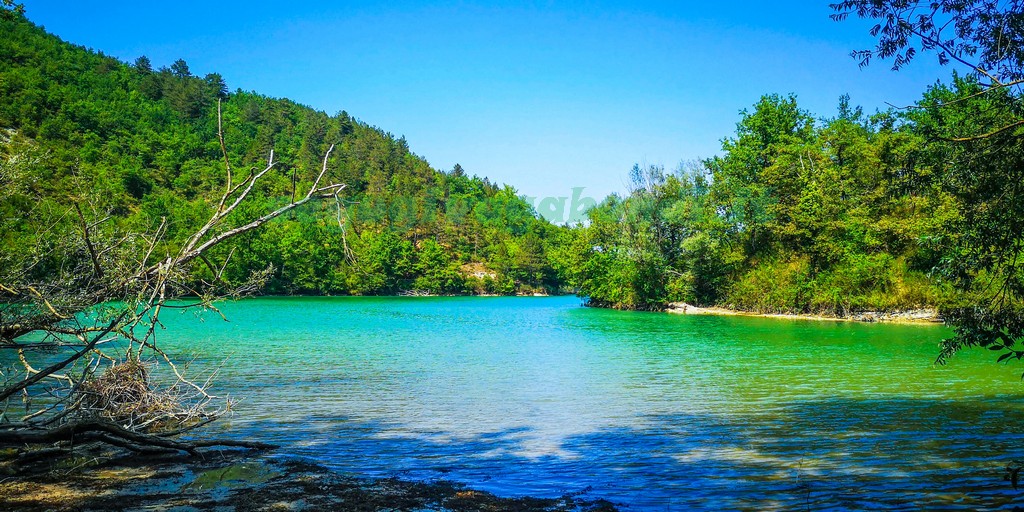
(85, 339)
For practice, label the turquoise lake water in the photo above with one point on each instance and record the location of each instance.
(540, 396)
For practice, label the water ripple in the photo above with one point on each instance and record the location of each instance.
(658, 412)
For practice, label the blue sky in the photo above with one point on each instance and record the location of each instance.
(543, 96)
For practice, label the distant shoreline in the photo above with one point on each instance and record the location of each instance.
(921, 316)
(913, 316)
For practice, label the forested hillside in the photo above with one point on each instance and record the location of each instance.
(140, 145)
(895, 210)
(798, 215)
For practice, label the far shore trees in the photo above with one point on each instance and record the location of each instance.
(914, 207)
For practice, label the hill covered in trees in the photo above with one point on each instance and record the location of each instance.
(139, 146)
(912, 207)
(797, 215)
(891, 211)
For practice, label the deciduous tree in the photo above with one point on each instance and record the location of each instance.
(974, 151)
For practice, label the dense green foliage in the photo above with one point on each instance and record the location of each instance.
(980, 163)
(140, 145)
(973, 152)
(797, 215)
(902, 209)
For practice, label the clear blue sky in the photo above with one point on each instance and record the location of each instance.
(542, 96)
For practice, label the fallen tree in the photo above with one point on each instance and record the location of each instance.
(80, 311)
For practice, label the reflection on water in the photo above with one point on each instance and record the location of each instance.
(540, 396)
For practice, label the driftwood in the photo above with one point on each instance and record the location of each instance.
(113, 434)
(92, 327)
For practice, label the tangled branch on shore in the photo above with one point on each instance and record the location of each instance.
(79, 316)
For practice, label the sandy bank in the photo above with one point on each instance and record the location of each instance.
(914, 316)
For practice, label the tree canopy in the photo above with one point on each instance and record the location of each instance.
(140, 144)
(972, 150)
(900, 209)
(983, 35)
(797, 215)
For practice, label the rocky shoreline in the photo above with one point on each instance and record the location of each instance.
(244, 482)
(913, 316)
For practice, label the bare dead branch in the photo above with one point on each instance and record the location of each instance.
(106, 329)
(58, 366)
(988, 134)
(88, 241)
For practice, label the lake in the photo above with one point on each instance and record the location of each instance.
(540, 396)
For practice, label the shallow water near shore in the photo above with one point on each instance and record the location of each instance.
(542, 397)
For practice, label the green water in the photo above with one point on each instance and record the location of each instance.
(539, 396)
